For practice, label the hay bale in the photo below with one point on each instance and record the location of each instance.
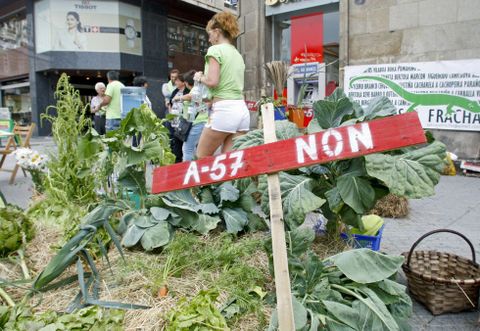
(391, 205)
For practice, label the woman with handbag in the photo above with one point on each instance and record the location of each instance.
(179, 108)
(197, 117)
(224, 76)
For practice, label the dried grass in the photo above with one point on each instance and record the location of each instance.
(391, 206)
(129, 285)
(328, 245)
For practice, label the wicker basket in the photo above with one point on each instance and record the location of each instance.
(444, 283)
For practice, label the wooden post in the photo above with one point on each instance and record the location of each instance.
(279, 245)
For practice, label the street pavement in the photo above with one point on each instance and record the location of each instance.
(455, 205)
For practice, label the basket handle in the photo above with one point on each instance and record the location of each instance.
(436, 231)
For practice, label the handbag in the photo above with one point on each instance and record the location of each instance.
(181, 131)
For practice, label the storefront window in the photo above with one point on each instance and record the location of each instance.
(16, 97)
(13, 33)
(187, 45)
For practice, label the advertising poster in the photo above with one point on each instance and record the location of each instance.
(445, 94)
(87, 26)
(306, 46)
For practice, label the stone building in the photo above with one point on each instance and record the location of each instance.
(441, 33)
(146, 37)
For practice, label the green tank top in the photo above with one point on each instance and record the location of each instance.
(232, 70)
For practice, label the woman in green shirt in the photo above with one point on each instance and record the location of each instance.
(224, 72)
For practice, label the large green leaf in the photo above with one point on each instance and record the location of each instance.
(252, 138)
(380, 309)
(379, 107)
(144, 221)
(297, 198)
(413, 174)
(183, 218)
(286, 130)
(133, 180)
(367, 319)
(161, 214)
(205, 223)
(88, 147)
(133, 235)
(335, 202)
(299, 240)
(356, 192)
(184, 200)
(226, 192)
(329, 113)
(343, 313)
(283, 129)
(157, 236)
(299, 314)
(365, 266)
(235, 219)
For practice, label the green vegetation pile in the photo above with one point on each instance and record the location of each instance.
(206, 257)
(15, 229)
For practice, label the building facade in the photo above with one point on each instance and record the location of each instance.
(421, 47)
(133, 37)
(425, 47)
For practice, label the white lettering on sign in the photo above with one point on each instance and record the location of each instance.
(218, 170)
(217, 165)
(238, 162)
(192, 172)
(364, 136)
(339, 143)
(303, 147)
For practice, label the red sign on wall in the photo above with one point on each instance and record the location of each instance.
(329, 145)
(306, 41)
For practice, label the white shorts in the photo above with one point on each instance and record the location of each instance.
(229, 116)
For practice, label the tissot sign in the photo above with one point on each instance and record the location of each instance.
(333, 144)
(446, 94)
(87, 26)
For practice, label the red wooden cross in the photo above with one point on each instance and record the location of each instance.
(329, 145)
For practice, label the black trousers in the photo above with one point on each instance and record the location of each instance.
(175, 144)
(99, 123)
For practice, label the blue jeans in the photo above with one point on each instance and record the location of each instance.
(112, 124)
(190, 146)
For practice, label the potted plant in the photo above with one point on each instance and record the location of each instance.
(277, 73)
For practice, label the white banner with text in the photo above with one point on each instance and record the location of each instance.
(445, 94)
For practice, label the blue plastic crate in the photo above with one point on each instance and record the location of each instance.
(361, 241)
(279, 113)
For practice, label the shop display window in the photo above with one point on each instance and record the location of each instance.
(17, 100)
(186, 38)
(13, 32)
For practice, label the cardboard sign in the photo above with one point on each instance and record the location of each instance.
(326, 146)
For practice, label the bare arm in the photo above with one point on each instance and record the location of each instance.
(213, 77)
(186, 97)
(105, 101)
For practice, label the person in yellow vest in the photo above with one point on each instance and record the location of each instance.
(224, 77)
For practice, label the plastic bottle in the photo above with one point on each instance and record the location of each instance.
(196, 92)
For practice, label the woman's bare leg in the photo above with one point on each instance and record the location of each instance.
(228, 144)
(209, 141)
